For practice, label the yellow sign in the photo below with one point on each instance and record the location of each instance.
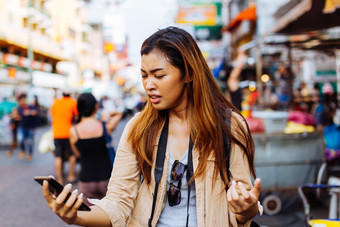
(331, 6)
(197, 15)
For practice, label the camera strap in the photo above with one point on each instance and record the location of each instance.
(158, 172)
(190, 173)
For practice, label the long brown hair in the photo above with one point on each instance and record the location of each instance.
(206, 108)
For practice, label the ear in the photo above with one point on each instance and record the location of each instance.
(188, 79)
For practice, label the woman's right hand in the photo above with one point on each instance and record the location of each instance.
(66, 211)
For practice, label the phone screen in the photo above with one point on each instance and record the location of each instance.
(56, 188)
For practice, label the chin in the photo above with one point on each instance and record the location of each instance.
(159, 107)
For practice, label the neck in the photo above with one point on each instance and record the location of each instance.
(87, 118)
(179, 114)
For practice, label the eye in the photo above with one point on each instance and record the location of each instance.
(144, 76)
(159, 77)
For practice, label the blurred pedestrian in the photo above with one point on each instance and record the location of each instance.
(38, 107)
(284, 86)
(325, 111)
(63, 112)
(141, 103)
(270, 99)
(233, 90)
(27, 125)
(88, 142)
(106, 107)
(14, 125)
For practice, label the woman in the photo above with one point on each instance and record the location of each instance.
(88, 142)
(185, 99)
(14, 125)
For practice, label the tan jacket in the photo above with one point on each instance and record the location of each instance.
(127, 204)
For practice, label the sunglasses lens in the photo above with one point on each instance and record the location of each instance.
(174, 193)
(177, 171)
(174, 196)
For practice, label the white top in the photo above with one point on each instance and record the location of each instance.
(177, 215)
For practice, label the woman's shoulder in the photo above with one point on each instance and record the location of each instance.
(237, 119)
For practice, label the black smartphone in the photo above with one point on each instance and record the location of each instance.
(56, 188)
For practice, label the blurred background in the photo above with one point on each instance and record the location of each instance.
(292, 61)
(48, 45)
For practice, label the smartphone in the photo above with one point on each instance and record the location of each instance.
(56, 188)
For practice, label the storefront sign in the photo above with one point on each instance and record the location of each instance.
(50, 80)
(12, 75)
(197, 14)
(11, 59)
(24, 62)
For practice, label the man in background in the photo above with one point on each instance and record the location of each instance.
(27, 125)
(63, 112)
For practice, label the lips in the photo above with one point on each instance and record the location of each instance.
(155, 99)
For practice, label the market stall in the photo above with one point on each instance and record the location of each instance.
(284, 161)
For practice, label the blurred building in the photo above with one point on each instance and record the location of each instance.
(299, 35)
(47, 45)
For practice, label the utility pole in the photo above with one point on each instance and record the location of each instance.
(29, 44)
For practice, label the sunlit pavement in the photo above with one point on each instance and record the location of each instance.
(23, 205)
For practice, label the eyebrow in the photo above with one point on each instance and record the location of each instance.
(152, 70)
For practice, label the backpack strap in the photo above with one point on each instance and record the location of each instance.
(158, 172)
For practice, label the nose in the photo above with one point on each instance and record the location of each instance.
(149, 84)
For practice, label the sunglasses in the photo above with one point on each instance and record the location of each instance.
(174, 193)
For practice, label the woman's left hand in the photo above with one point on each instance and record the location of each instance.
(243, 202)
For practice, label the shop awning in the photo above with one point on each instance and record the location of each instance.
(302, 16)
(246, 14)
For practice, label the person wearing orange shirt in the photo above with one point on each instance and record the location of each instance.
(63, 112)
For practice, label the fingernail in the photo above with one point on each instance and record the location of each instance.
(75, 191)
(80, 196)
(240, 183)
(68, 186)
(233, 182)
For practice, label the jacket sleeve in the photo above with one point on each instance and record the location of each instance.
(239, 169)
(239, 166)
(124, 183)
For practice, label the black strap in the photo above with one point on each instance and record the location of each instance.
(159, 164)
(75, 129)
(161, 150)
(190, 173)
(226, 142)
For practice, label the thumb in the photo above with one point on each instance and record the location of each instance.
(257, 188)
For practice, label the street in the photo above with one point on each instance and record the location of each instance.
(22, 202)
(21, 198)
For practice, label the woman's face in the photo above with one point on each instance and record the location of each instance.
(162, 82)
